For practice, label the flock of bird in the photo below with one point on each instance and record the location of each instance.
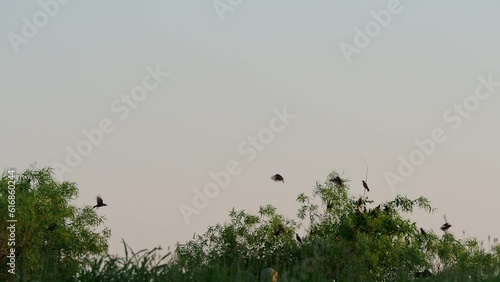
(336, 180)
(339, 181)
(278, 178)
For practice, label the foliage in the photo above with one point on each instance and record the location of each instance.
(346, 241)
(54, 238)
(347, 238)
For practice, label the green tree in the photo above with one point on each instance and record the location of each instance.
(348, 239)
(54, 238)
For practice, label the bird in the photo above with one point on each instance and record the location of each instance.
(422, 231)
(366, 186)
(52, 227)
(277, 178)
(298, 238)
(360, 204)
(280, 230)
(375, 211)
(387, 208)
(100, 203)
(337, 180)
(446, 225)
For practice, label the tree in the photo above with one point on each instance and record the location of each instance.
(348, 239)
(53, 238)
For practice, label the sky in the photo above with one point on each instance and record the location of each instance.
(171, 92)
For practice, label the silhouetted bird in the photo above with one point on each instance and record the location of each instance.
(387, 208)
(375, 211)
(280, 230)
(298, 238)
(422, 231)
(446, 225)
(338, 181)
(277, 178)
(52, 227)
(100, 203)
(366, 186)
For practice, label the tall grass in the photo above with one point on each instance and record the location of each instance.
(149, 266)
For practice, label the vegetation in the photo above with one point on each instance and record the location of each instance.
(347, 239)
(54, 239)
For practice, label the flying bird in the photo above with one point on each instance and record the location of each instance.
(278, 178)
(446, 225)
(298, 238)
(366, 186)
(280, 230)
(337, 180)
(100, 203)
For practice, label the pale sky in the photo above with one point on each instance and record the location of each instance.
(226, 77)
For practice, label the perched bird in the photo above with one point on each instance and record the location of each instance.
(360, 204)
(446, 225)
(277, 178)
(298, 238)
(280, 230)
(422, 231)
(52, 227)
(387, 208)
(375, 211)
(360, 201)
(366, 186)
(100, 203)
(338, 181)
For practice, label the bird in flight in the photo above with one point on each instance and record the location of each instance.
(298, 238)
(100, 202)
(280, 230)
(337, 180)
(446, 225)
(278, 178)
(366, 186)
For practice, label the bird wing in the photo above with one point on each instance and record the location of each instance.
(277, 177)
(99, 200)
